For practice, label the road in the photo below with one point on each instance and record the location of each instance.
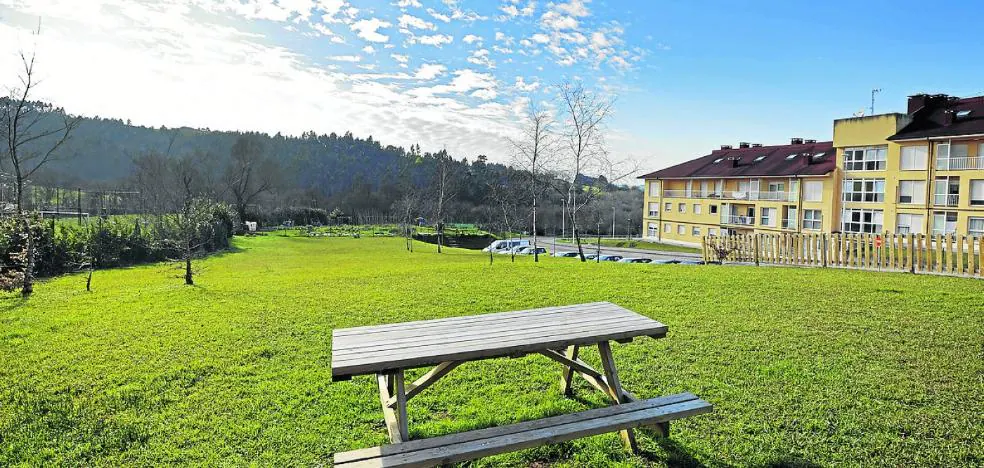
(549, 243)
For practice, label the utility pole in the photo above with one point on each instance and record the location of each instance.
(873, 92)
(613, 220)
(598, 247)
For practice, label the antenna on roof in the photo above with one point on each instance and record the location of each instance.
(873, 92)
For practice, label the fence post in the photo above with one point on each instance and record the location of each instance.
(912, 253)
(703, 249)
(823, 249)
(757, 237)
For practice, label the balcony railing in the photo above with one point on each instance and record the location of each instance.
(653, 213)
(960, 164)
(735, 219)
(733, 195)
(946, 200)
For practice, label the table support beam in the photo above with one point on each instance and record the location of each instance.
(426, 380)
(396, 419)
(615, 390)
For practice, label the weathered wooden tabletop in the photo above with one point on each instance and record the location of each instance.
(376, 349)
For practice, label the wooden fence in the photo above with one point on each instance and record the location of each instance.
(914, 253)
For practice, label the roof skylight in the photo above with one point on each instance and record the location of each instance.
(792, 156)
(818, 156)
(963, 114)
(718, 160)
(760, 158)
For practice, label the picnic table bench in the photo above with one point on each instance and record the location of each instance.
(555, 332)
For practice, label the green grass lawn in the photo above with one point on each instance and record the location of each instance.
(635, 244)
(803, 366)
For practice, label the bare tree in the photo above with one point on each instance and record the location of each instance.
(33, 132)
(249, 174)
(446, 187)
(534, 151)
(583, 152)
(504, 193)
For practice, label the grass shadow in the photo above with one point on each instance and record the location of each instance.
(675, 453)
(12, 301)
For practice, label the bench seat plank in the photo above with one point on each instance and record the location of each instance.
(496, 440)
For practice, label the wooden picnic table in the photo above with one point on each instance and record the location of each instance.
(555, 332)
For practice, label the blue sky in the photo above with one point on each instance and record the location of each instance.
(687, 75)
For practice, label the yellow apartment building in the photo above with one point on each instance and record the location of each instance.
(921, 172)
(743, 190)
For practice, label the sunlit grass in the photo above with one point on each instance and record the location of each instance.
(802, 365)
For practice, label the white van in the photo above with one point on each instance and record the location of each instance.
(505, 245)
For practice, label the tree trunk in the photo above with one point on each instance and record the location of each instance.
(189, 279)
(28, 288)
(536, 255)
(577, 237)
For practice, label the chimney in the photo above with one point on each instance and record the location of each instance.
(756, 145)
(949, 116)
(810, 142)
(725, 147)
(743, 145)
(928, 101)
(795, 141)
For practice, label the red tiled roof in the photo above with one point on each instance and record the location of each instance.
(943, 120)
(741, 162)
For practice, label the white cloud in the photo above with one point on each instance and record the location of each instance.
(438, 16)
(410, 21)
(481, 57)
(435, 40)
(522, 86)
(408, 3)
(400, 58)
(429, 71)
(471, 38)
(367, 29)
(345, 58)
(369, 49)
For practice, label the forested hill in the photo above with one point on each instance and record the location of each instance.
(328, 171)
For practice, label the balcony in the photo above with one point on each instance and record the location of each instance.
(789, 224)
(735, 195)
(740, 220)
(960, 164)
(946, 200)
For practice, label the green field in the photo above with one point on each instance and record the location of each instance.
(635, 244)
(803, 366)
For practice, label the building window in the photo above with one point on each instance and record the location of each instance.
(862, 220)
(714, 209)
(768, 216)
(946, 191)
(864, 190)
(681, 229)
(696, 208)
(975, 227)
(653, 188)
(695, 231)
(812, 219)
(865, 159)
(977, 192)
(668, 206)
(912, 191)
(813, 191)
(651, 229)
(909, 224)
(944, 222)
(667, 228)
(682, 207)
(914, 158)
(713, 232)
(653, 209)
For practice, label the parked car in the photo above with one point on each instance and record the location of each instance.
(590, 256)
(565, 254)
(635, 260)
(610, 258)
(505, 244)
(514, 250)
(665, 262)
(531, 251)
(692, 262)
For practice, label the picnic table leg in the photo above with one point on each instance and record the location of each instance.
(567, 375)
(615, 390)
(391, 385)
